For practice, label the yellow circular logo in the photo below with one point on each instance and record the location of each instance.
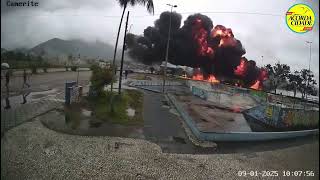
(300, 18)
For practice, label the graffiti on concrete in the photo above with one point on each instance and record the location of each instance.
(289, 117)
(203, 94)
(259, 94)
(272, 115)
(269, 112)
(299, 117)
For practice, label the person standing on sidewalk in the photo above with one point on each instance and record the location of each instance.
(126, 72)
(7, 88)
(25, 75)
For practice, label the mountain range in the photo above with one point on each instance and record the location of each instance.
(57, 47)
(63, 48)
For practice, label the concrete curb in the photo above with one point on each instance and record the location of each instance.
(236, 136)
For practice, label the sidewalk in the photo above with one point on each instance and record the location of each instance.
(31, 151)
(15, 116)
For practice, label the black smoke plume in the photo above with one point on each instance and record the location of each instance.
(198, 43)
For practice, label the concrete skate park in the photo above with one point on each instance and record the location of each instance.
(219, 112)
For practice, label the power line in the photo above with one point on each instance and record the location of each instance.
(142, 16)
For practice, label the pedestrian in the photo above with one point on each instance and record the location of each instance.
(126, 72)
(24, 97)
(7, 81)
(7, 103)
(7, 88)
(25, 75)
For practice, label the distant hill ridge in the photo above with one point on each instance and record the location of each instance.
(57, 47)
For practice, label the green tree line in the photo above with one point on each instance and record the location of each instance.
(280, 76)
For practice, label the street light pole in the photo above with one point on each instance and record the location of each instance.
(309, 42)
(78, 70)
(167, 51)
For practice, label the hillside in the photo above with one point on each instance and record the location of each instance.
(57, 47)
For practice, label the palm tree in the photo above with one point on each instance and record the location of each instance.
(124, 4)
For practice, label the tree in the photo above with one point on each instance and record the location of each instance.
(124, 4)
(100, 77)
(294, 80)
(307, 85)
(278, 74)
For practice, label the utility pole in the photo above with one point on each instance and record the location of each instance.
(78, 69)
(308, 42)
(123, 48)
(167, 51)
(262, 61)
(130, 28)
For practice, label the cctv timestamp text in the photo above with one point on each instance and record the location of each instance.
(285, 173)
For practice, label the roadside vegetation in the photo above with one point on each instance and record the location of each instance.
(280, 77)
(110, 106)
(116, 112)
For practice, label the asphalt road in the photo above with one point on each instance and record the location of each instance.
(44, 82)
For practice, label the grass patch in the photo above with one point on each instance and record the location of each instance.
(117, 112)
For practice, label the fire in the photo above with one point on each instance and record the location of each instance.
(200, 35)
(241, 68)
(227, 41)
(200, 77)
(263, 75)
(213, 79)
(257, 85)
(225, 38)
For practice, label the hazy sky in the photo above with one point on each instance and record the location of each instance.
(261, 35)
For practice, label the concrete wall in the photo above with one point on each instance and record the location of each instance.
(280, 117)
(299, 117)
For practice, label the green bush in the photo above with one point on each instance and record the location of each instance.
(112, 107)
(100, 77)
